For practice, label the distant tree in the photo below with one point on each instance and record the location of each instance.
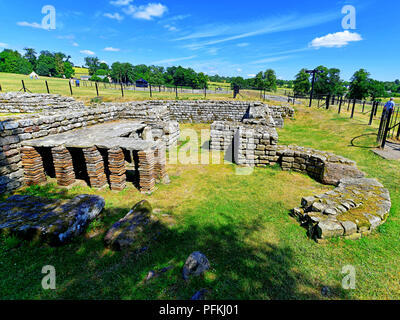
(321, 85)
(68, 70)
(270, 80)
(30, 55)
(203, 80)
(239, 82)
(376, 89)
(360, 85)
(93, 63)
(12, 62)
(302, 85)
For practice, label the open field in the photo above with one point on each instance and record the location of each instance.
(12, 82)
(242, 223)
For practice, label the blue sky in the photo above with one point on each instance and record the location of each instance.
(225, 37)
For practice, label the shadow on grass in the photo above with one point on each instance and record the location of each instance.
(240, 269)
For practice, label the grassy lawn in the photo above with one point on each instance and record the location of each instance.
(12, 82)
(242, 223)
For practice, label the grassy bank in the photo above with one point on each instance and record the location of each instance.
(242, 223)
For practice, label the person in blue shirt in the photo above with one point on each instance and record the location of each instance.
(390, 105)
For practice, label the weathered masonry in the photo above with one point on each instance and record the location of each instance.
(101, 155)
(355, 208)
(43, 115)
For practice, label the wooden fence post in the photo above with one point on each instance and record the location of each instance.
(151, 93)
(122, 90)
(47, 87)
(363, 107)
(97, 88)
(371, 118)
(376, 108)
(352, 110)
(23, 85)
(340, 104)
(70, 87)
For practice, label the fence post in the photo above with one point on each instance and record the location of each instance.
(122, 89)
(328, 100)
(97, 88)
(340, 104)
(376, 108)
(354, 107)
(386, 128)
(70, 87)
(372, 113)
(151, 93)
(398, 133)
(1, 88)
(23, 85)
(348, 105)
(47, 87)
(176, 91)
(205, 91)
(363, 107)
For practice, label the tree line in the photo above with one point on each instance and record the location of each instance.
(329, 83)
(155, 75)
(54, 64)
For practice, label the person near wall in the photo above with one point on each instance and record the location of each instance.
(390, 105)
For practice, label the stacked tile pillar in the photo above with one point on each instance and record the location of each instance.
(33, 166)
(63, 166)
(95, 167)
(116, 166)
(160, 163)
(147, 179)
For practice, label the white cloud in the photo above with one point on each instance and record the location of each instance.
(336, 40)
(30, 24)
(269, 60)
(115, 16)
(147, 12)
(236, 31)
(174, 60)
(68, 37)
(88, 52)
(75, 44)
(121, 3)
(251, 75)
(242, 45)
(3, 45)
(111, 49)
(239, 70)
(170, 28)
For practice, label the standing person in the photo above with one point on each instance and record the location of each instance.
(77, 83)
(389, 105)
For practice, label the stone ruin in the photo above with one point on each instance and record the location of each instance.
(109, 143)
(355, 208)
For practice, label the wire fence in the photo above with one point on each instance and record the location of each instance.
(73, 87)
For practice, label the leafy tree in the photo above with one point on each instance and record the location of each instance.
(270, 80)
(360, 85)
(69, 71)
(30, 55)
(302, 85)
(239, 82)
(321, 85)
(376, 89)
(93, 63)
(12, 62)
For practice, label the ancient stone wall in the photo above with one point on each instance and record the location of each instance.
(16, 102)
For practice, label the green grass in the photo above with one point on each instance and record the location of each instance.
(12, 82)
(242, 223)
